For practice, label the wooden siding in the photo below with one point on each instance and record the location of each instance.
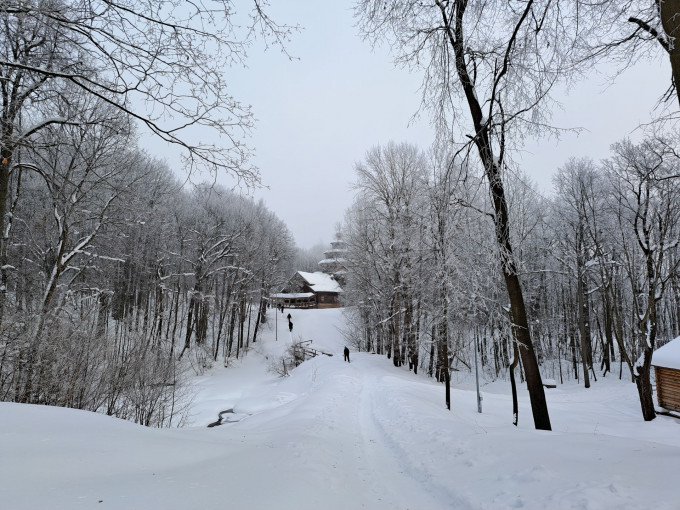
(668, 387)
(328, 305)
(327, 300)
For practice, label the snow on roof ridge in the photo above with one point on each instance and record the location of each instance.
(292, 295)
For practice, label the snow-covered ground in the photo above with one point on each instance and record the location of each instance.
(346, 436)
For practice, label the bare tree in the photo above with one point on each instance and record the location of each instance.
(77, 169)
(574, 183)
(157, 61)
(646, 184)
(161, 63)
(390, 181)
(501, 60)
(630, 29)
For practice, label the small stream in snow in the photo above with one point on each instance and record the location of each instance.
(231, 417)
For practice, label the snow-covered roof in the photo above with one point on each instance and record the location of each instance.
(292, 295)
(320, 282)
(668, 356)
(333, 261)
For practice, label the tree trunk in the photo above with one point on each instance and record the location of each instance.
(222, 314)
(609, 342)
(642, 372)
(444, 363)
(492, 170)
(102, 314)
(648, 332)
(447, 384)
(520, 329)
(201, 318)
(175, 319)
(232, 327)
(644, 387)
(261, 317)
(669, 11)
(584, 331)
(430, 368)
(190, 322)
(394, 324)
(5, 158)
(513, 384)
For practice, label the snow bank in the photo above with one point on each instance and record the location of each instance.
(337, 435)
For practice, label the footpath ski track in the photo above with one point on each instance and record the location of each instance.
(382, 415)
(358, 408)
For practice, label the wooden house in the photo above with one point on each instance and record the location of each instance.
(294, 299)
(666, 363)
(310, 290)
(324, 287)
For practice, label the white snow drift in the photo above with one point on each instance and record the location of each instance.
(335, 435)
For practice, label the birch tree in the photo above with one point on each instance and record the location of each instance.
(646, 185)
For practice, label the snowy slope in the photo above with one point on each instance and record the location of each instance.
(337, 435)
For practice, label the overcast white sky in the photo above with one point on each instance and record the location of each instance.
(317, 116)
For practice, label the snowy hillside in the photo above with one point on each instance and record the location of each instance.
(344, 436)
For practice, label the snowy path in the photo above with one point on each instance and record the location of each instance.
(367, 467)
(334, 438)
(344, 436)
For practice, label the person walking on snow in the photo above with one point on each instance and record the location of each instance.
(346, 354)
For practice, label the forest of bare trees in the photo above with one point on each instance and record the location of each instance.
(118, 283)
(117, 280)
(490, 71)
